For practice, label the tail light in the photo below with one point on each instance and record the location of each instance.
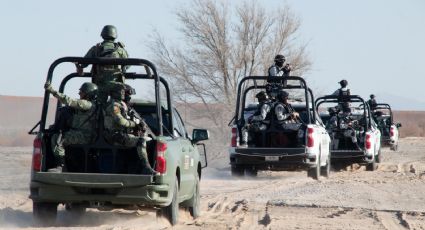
(392, 131)
(368, 143)
(36, 155)
(234, 137)
(161, 162)
(310, 139)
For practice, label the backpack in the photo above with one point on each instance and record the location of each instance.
(102, 51)
(63, 119)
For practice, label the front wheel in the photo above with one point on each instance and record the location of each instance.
(194, 202)
(172, 211)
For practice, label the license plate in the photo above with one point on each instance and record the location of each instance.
(272, 158)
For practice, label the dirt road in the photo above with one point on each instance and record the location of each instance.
(393, 197)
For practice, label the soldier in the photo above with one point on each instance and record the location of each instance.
(106, 76)
(83, 121)
(342, 94)
(117, 123)
(278, 69)
(260, 120)
(283, 110)
(133, 115)
(372, 102)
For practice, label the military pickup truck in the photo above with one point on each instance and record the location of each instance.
(305, 145)
(105, 176)
(354, 134)
(383, 116)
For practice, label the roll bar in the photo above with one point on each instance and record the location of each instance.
(149, 67)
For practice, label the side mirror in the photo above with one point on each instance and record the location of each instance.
(200, 135)
(398, 125)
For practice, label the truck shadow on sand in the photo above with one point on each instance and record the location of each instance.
(14, 218)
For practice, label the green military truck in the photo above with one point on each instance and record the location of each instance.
(105, 176)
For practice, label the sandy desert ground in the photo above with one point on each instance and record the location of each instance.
(393, 197)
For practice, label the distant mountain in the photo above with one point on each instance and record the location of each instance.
(17, 116)
(400, 102)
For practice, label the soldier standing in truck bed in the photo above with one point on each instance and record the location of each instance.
(106, 76)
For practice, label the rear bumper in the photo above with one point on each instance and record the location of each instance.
(387, 142)
(351, 156)
(263, 158)
(132, 190)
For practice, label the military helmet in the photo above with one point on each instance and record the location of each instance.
(109, 32)
(129, 90)
(343, 83)
(372, 96)
(332, 110)
(261, 96)
(90, 89)
(116, 91)
(282, 94)
(279, 58)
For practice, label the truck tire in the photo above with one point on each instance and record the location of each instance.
(326, 170)
(373, 165)
(251, 171)
(44, 214)
(394, 147)
(172, 211)
(379, 157)
(237, 170)
(194, 202)
(314, 172)
(75, 209)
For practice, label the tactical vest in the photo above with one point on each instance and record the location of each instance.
(343, 99)
(343, 95)
(85, 121)
(288, 109)
(268, 115)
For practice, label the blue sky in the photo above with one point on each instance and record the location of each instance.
(378, 46)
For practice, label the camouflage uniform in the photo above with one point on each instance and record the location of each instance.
(106, 76)
(82, 125)
(117, 128)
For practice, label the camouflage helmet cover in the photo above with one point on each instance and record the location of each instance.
(109, 32)
(90, 89)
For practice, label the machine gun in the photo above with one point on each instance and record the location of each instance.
(134, 116)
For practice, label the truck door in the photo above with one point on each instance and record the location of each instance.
(187, 166)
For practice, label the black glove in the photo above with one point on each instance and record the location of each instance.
(287, 69)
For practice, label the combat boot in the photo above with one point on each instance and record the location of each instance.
(146, 167)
